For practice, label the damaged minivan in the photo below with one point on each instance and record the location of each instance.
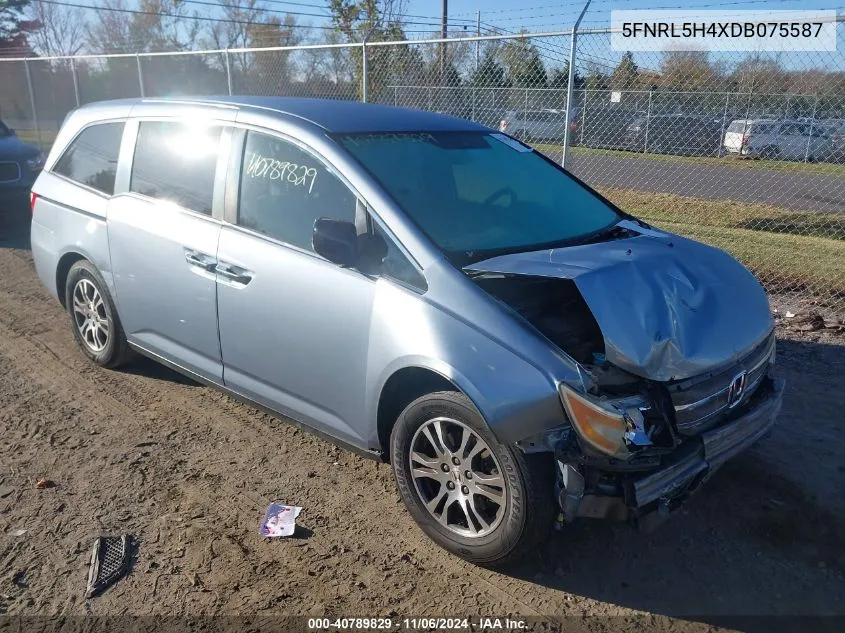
(419, 288)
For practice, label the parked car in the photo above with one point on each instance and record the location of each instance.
(417, 287)
(603, 127)
(683, 135)
(536, 125)
(20, 164)
(835, 128)
(777, 138)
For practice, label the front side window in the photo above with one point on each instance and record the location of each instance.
(176, 162)
(284, 189)
(477, 194)
(396, 265)
(91, 159)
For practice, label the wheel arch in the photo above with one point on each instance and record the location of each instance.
(401, 388)
(63, 267)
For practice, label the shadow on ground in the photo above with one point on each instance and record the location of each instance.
(764, 537)
(14, 226)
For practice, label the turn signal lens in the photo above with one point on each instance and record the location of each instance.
(602, 428)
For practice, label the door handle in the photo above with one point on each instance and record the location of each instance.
(233, 273)
(200, 259)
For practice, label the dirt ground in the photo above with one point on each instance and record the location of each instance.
(189, 472)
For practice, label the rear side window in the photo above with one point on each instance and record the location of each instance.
(91, 159)
(176, 162)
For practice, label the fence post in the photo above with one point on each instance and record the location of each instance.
(364, 70)
(724, 121)
(810, 132)
(525, 105)
(569, 84)
(228, 71)
(140, 76)
(75, 82)
(583, 116)
(32, 103)
(647, 121)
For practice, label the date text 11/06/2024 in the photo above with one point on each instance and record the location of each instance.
(352, 624)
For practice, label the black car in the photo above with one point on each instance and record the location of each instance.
(603, 127)
(684, 135)
(20, 164)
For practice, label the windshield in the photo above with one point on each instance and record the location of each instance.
(480, 193)
(4, 131)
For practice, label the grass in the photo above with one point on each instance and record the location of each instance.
(29, 136)
(731, 161)
(788, 251)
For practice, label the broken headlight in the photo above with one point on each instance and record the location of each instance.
(615, 427)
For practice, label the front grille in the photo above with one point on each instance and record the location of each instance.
(703, 401)
(9, 171)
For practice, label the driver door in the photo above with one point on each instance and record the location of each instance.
(294, 327)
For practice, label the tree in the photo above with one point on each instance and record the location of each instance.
(61, 29)
(371, 21)
(523, 64)
(14, 28)
(490, 74)
(626, 74)
(688, 70)
(756, 73)
(274, 69)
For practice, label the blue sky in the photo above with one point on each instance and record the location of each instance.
(546, 15)
(549, 15)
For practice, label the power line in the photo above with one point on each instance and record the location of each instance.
(173, 15)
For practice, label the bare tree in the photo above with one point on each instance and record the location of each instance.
(160, 25)
(110, 31)
(61, 32)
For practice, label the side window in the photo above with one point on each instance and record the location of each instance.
(176, 162)
(284, 189)
(91, 159)
(396, 265)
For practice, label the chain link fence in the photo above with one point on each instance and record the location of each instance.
(743, 151)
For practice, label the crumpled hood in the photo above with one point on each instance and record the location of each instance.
(12, 148)
(668, 308)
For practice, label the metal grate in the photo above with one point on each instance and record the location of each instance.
(109, 561)
(701, 402)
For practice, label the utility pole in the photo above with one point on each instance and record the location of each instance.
(443, 32)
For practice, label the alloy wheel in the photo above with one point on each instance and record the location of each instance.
(457, 477)
(89, 314)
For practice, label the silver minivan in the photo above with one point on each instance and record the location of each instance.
(778, 139)
(419, 288)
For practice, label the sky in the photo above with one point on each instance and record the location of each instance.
(545, 15)
(503, 16)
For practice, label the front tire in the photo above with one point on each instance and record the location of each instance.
(94, 321)
(480, 499)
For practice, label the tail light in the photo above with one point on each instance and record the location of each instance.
(32, 198)
(745, 139)
(503, 125)
(573, 126)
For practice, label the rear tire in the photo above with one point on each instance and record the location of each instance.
(443, 490)
(93, 316)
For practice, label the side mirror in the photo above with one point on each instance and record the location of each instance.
(336, 240)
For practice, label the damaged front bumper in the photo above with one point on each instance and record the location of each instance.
(648, 496)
